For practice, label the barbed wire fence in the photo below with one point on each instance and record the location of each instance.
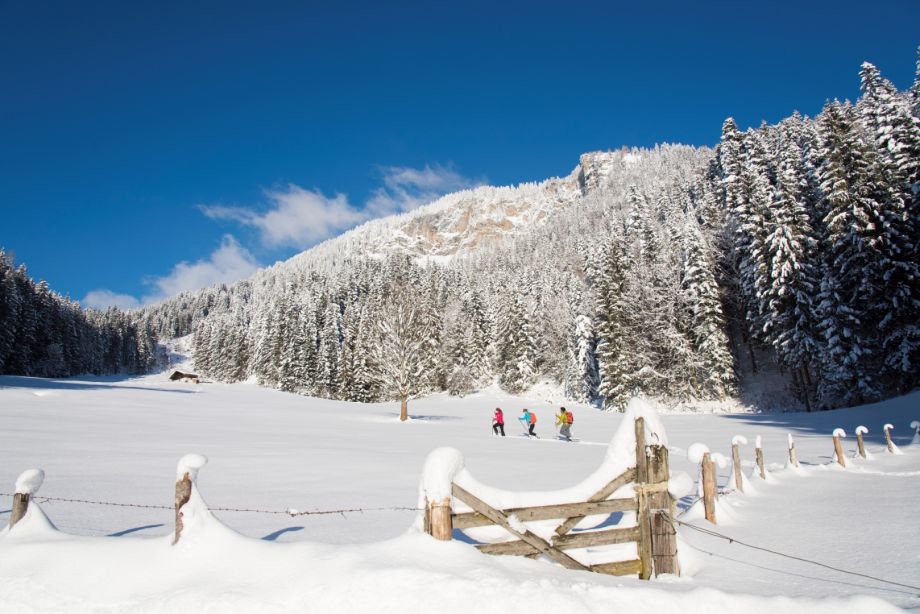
(290, 512)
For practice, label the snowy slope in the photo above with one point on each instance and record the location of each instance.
(119, 440)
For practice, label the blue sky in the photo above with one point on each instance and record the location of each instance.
(147, 148)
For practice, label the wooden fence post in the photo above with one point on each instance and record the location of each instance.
(793, 459)
(860, 430)
(27, 484)
(736, 461)
(838, 448)
(758, 457)
(438, 519)
(887, 428)
(708, 471)
(644, 545)
(662, 531)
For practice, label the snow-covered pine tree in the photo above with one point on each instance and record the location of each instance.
(613, 312)
(715, 377)
(581, 375)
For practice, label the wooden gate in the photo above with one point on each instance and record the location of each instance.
(653, 534)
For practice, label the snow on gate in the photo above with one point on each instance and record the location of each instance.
(568, 526)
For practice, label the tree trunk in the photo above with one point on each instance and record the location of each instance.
(404, 410)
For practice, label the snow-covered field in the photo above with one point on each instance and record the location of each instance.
(119, 441)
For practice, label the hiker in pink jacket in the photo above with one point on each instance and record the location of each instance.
(498, 422)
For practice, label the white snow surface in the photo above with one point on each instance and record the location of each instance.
(117, 440)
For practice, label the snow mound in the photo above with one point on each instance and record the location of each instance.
(739, 440)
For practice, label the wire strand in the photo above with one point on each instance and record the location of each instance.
(292, 512)
(732, 540)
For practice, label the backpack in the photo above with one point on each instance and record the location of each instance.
(569, 418)
(533, 418)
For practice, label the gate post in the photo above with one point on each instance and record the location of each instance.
(657, 536)
(438, 519)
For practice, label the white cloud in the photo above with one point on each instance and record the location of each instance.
(228, 263)
(300, 218)
(297, 217)
(405, 189)
(101, 299)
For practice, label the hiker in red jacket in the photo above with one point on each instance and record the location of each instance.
(498, 422)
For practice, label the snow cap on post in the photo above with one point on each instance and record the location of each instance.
(758, 442)
(915, 424)
(739, 440)
(29, 481)
(720, 460)
(441, 467)
(789, 440)
(888, 427)
(861, 430)
(839, 432)
(190, 464)
(696, 451)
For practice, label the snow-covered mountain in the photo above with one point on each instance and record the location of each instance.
(465, 222)
(673, 272)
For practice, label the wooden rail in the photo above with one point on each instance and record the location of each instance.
(653, 533)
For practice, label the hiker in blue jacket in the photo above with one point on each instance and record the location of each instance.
(529, 420)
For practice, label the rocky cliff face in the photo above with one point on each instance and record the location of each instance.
(465, 221)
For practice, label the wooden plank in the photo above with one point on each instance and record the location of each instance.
(641, 458)
(619, 568)
(470, 520)
(515, 548)
(585, 539)
(606, 537)
(528, 536)
(645, 537)
(611, 487)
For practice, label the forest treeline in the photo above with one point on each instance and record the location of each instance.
(46, 335)
(675, 273)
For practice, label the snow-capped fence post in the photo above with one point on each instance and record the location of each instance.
(838, 447)
(708, 471)
(186, 473)
(737, 441)
(859, 440)
(890, 444)
(758, 457)
(642, 517)
(663, 542)
(441, 466)
(793, 459)
(916, 426)
(27, 484)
